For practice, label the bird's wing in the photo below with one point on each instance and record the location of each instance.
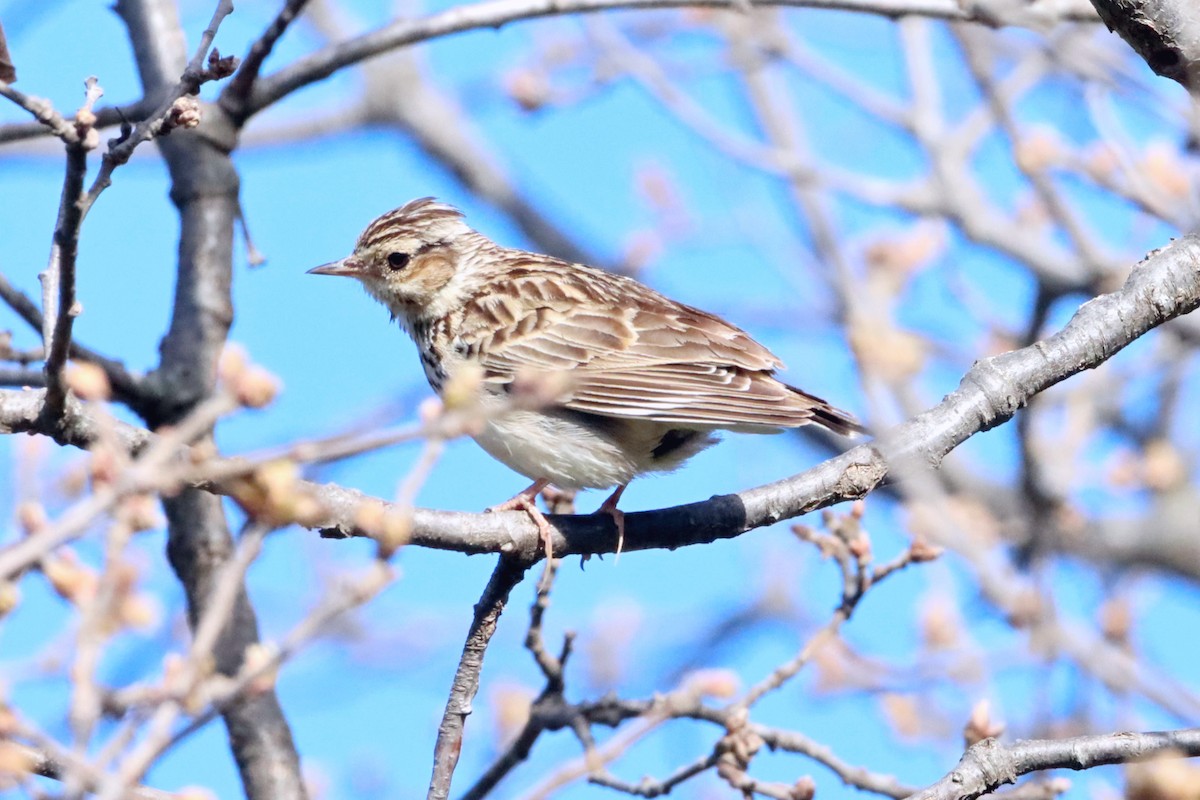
(648, 358)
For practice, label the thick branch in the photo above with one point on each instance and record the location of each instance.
(989, 765)
(1166, 33)
(204, 187)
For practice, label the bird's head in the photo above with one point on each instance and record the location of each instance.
(409, 258)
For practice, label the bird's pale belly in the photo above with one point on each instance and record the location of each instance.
(583, 451)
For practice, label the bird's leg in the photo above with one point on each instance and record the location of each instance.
(609, 507)
(526, 500)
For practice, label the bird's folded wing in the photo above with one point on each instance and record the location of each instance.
(679, 365)
(693, 394)
(546, 339)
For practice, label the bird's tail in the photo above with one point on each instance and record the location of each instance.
(831, 417)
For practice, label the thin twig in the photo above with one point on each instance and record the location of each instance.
(94, 629)
(106, 117)
(508, 573)
(236, 94)
(549, 711)
(48, 118)
(852, 557)
(168, 114)
(648, 787)
(61, 765)
(972, 42)
(59, 307)
(551, 696)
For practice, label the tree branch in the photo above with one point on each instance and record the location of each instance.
(235, 95)
(1166, 33)
(259, 736)
(989, 764)
(106, 117)
(65, 765)
(508, 574)
(496, 13)
(176, 109)
(58, 281)
(204, 187)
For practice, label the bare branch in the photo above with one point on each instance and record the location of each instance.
(542, 714)
(106, 117)
(989, 765)
(851, 549)
(1166, 33)
(336, 602)
(48, 118)
(495, 13)
(141, 476)
(176, 109)
(505, 577)
(67, 764)
(58, 281)
(22, 377)
(234, 96)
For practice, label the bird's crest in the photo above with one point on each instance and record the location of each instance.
(419, 218)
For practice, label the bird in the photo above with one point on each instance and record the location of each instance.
(646, 381)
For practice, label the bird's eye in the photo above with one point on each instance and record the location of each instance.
(397, 260)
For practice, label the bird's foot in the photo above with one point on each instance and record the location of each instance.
(526, 500)
(609, 507)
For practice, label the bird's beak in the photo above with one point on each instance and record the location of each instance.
(347, 267)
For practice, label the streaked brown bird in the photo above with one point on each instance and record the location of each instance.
(649, 380)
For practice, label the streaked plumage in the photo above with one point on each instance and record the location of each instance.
(650, 379)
